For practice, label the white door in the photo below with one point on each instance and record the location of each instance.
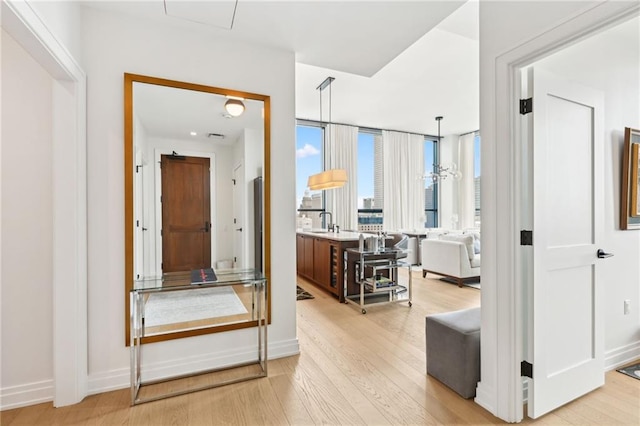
(139, 219)
(239, 191)
(565, 301)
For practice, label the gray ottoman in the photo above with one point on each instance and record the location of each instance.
(453, 349)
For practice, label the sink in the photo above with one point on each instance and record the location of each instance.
(319, 231)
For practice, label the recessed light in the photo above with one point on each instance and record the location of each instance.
(193, 133)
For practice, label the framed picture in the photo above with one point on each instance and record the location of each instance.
(630, 196)
(635, 175)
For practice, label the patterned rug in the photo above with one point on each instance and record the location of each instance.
(302, 294)
(191, 305)
(632, 370)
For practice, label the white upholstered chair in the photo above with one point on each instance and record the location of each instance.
(452, 256)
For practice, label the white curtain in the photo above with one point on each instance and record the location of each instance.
(403, 167)
(342, 153)
(466, 189)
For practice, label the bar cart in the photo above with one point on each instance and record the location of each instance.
(371, 278)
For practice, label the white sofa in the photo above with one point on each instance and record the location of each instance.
(452, 256)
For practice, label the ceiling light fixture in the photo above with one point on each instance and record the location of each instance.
(330, 178)
(234, 106)
(441, 172)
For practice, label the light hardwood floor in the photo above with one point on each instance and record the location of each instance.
(353, 369)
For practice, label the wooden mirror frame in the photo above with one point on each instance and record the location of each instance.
(629, 216)
(129, 80)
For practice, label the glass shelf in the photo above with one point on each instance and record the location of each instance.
(173, 303)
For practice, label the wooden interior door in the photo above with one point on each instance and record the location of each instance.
(186, 213)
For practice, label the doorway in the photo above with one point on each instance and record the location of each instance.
(508, 331)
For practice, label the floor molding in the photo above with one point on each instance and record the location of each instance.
(620, 356)
(23, 395)
(120, 378)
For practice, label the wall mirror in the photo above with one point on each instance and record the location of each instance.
(197, 187)
(630, 196)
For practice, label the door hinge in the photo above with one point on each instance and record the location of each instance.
(138, 168)
(526, 369)
(526, 106)
(161, 232)
(526, 238)
(137, 224)
(235, 259)
(234, 181)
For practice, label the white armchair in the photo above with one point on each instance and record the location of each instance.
(451, 256)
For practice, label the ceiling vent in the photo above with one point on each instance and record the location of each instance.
(219, 13)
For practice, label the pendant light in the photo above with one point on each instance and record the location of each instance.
(330, 178)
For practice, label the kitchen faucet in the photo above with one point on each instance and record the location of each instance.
(330, 225)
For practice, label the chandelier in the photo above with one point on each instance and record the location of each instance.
(443, 171)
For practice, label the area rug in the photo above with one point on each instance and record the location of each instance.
(302, 294)
(471, 284)
(190, 305)
(632, 370)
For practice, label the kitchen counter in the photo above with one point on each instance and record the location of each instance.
(334, 236)
(320, 258)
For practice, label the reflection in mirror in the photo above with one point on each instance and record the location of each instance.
(630, 196)
(196, 182)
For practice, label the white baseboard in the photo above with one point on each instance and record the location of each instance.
(121, 378)
(484, 398)
(620, 356)
(612, 359)
(23, 395)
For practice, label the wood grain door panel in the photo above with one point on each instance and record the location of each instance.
(186, 215)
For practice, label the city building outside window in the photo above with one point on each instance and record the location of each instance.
(309, 155)
(431, 188)
(369, 180)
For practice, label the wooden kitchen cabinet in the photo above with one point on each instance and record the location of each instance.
(319, 259)
(321, 262)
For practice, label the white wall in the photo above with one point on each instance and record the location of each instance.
(27, 226)
(113, 45)
(62, 17)
(506, 27)
(592, 63)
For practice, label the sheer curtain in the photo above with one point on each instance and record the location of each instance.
(466, 189)
(342, 153)
(403, 167)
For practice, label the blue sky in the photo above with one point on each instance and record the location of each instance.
(309, 160)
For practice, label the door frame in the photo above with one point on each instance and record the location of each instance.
(69, 189)
(501, 392)
(158, 152)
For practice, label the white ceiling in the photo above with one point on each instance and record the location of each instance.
(172, 113)
(394, 69)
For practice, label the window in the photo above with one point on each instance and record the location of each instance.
(309, 154)
(430, 189)
(476, 178)
(369, 180)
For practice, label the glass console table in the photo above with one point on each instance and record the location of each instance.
(175, 304)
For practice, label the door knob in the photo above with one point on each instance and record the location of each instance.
(239, 229)
(602, 254)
